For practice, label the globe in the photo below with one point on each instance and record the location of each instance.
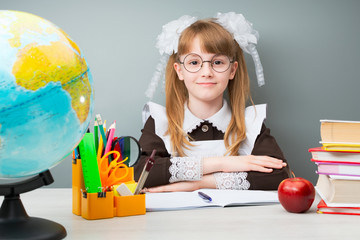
(46, 94)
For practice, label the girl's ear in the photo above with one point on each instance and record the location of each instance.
(233, 70)
(178, 70)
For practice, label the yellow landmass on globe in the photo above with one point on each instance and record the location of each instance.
(24, 23)
(80, 92)
(35, 25)
(71, 42)
(40, 63)
(37, 65)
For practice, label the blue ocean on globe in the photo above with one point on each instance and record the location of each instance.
(46, 94)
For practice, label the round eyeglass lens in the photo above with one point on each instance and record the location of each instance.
(192, 62)
(220, 63)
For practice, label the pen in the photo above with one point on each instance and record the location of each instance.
(204, 196)
(144, 174)
(96, 135)
(76, 154)
(110, 138)
(100, 125)
(101, 144)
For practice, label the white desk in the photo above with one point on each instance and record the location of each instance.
(261, 222)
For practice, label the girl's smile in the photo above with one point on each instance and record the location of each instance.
(206, 84)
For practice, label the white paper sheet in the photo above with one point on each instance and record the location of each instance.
(220, 198)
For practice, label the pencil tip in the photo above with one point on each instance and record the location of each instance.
(113, 125)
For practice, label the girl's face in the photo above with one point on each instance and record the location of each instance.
(205, 85)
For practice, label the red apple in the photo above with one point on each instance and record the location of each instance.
(296, 194)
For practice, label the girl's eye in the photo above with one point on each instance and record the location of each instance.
(218, 62)
(194, 62)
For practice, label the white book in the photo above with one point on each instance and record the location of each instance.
(339, 191)
(220, 198)
(320, 155)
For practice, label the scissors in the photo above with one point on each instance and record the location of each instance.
(112, 173)
(124, 145)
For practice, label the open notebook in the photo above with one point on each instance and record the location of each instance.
(220, 198)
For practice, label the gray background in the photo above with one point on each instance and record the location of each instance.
(309, 50)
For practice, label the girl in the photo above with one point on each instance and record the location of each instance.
(203, 141)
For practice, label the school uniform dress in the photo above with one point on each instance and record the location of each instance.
(207, 136)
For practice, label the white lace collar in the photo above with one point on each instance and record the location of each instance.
(254, 117)
(220, 120)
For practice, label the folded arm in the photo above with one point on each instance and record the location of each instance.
(263, 169)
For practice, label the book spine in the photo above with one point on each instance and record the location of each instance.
(317, 162)
(334, 162)
(342, 213)
(338, 174)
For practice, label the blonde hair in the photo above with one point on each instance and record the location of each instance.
(214, 39)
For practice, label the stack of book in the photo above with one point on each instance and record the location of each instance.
(338, 167)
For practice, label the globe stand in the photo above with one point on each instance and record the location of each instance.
(14, 221)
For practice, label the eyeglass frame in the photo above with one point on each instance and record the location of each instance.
(202, 62)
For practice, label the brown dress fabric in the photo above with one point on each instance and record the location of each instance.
(265, 144)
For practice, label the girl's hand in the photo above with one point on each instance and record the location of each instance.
(207, 181)
(242, 164)
(251, 163)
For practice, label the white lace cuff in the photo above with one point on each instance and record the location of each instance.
(232, 180)
(185, 169)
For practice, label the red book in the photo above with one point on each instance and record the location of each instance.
(321, 155)
(323, 208)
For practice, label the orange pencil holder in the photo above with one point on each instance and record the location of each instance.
(77, 186)
(129, 205)
(97, 205)
(102, 205)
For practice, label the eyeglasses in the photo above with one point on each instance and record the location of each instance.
(193, 62)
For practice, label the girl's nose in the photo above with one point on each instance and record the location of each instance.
(206, 69)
